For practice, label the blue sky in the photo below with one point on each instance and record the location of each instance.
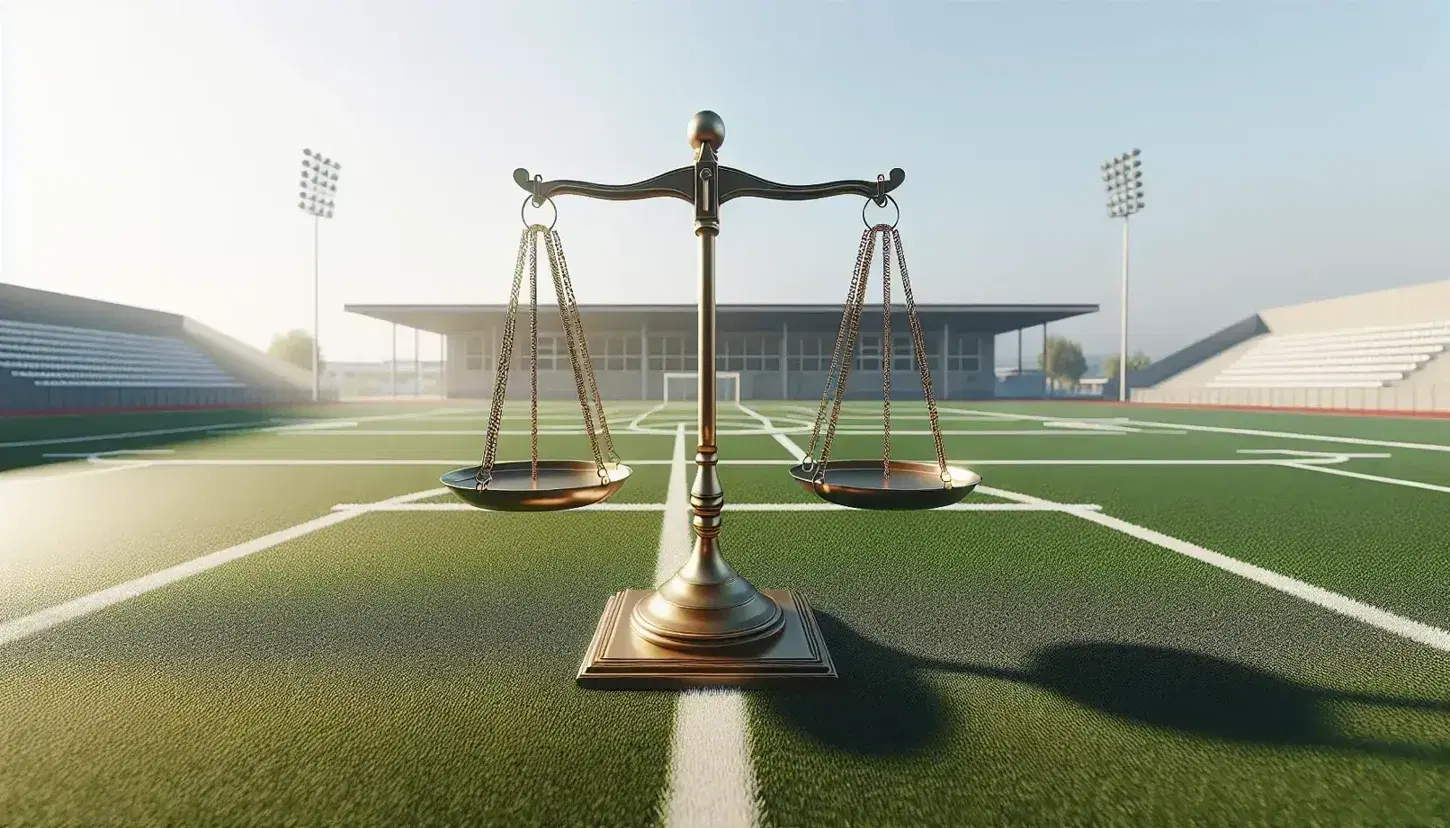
(1292, 151)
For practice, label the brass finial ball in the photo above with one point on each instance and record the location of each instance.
(707, 128)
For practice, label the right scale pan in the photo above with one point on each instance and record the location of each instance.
(863, 484)
(882, 483)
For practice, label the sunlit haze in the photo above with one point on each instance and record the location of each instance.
(1291, 151)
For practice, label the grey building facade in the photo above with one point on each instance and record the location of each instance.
(779, 351)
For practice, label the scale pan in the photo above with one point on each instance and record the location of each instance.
(858, 484)
(562, 484)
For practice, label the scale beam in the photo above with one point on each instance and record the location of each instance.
(734, 184)
(678, 183)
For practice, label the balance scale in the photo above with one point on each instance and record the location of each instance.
(706, 625)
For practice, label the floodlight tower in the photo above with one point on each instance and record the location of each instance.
(1123, 179)
(318, 189)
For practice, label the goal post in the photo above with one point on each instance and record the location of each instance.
(684, 385)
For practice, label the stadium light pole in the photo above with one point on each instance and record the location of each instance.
(1123, 179)
(318, 189)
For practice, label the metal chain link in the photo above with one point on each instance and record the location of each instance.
(885, 353)
(589, 376)
(575, 361)
(501, 370)
(534, 353)
(853, 335)
(867, 241)
(919, 340)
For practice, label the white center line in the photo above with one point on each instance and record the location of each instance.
(712, 780)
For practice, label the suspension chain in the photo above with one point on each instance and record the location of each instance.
(853, 334)
(591, 381)
(885, 353)
(867, 241)
(534, 354)
(551, 242)
(501, 372)
(919, 340)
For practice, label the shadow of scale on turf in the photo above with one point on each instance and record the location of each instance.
(883, 707)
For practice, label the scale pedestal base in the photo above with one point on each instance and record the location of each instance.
(619, 659)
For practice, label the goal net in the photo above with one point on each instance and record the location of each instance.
(686, 386)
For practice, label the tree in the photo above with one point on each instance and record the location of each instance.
(1065, 362)
(1136, 362)
(295, 347)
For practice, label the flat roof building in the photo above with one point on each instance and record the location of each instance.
(765, 351)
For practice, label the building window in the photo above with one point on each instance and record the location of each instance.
(553, 353)
(903, 353)
(752, 352)
(672, 353)
(476, 355)
(868, 354)
(966, 353)
(615, 353)
(810, 353)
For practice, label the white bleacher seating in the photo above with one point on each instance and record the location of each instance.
(1350, 358)
(59, 356)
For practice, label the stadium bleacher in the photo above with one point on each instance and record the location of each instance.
(63, 356)
(1366, 357)
(61, 352)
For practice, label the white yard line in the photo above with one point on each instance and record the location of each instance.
(711, 777)
(724, 432)
(1332, 601)
(464, 507)
(1247, 432)
(733, 507)
(88, 471)
(37, 622)
(1300, 459)
(1395, 481)
(122, 435)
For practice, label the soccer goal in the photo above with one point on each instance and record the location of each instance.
(686, 386)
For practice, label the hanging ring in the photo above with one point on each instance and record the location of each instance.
(889, 200)
(946, 478)
(523, 211)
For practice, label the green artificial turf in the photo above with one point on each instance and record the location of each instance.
(390, 670)
(996, 668)
(1038, 670)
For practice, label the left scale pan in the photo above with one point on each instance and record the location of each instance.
(561, 484)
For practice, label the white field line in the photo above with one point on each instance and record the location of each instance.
(88, 471)
(711, 778)
(785, 442)
(1300, 458)
(675, 535)
(733, 507)
(28, 625)
(1252, 432)
(1396, 481)
(1332, 601)
(122, 435)
(724, 432)
(634, 424)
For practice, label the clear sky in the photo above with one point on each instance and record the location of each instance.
(1292, 151)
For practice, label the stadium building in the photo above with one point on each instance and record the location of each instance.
(773, 352)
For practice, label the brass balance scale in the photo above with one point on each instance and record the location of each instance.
(706, 625)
